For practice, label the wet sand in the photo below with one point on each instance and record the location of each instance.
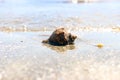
(24, 57)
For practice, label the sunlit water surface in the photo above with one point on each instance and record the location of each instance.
(39, 15)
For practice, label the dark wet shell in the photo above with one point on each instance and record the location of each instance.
(60, 37)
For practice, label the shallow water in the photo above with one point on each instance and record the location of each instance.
(23, 27)
(39, 15)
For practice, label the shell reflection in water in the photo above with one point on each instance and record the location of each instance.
(60, 49)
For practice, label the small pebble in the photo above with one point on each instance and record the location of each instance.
(100, 45)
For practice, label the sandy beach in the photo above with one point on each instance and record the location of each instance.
(22, 29)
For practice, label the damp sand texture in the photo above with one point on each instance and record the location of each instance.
(23, 56)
